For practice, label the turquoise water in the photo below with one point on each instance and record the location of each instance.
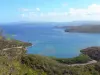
(51, 41)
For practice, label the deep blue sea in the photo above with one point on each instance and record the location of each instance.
(50, 41)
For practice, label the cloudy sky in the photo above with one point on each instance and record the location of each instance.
(49, 10)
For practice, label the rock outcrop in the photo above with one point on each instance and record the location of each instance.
(93, 52)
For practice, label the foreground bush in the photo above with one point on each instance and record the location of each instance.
(14, 67)
(42, 63)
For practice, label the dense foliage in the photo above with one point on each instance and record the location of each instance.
(14, 67)
(52, 67)
(41, 65)
(79, 59)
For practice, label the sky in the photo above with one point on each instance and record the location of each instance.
(49, 10)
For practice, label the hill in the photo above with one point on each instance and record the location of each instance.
(83, 29)
(81, 26)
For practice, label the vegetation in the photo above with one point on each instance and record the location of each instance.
(41, 65)
(79, 59)
(14, 67)
(52, 67)
(15, 61)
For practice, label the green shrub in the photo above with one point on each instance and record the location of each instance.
(45, 64)
(14, 67)
(79, 59)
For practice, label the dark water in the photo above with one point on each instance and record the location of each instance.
(51, 41)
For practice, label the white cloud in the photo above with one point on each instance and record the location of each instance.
(32, 14)
(92, 12)
(24, 9)
(54, 14)
(94, 9)
(22, 15)
(38, 9)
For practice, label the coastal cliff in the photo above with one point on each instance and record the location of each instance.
(93, 52)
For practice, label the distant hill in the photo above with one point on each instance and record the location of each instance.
(82, 26)
(83, 29)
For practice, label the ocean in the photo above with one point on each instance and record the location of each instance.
(50, 41)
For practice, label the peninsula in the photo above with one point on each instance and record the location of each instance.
(83, 29)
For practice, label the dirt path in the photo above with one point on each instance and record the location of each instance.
(12, 48)
(90, 62)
